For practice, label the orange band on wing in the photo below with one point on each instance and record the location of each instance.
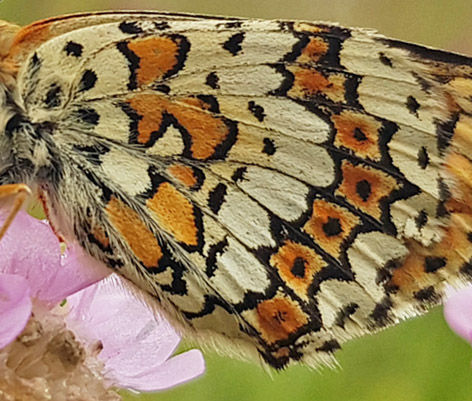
(175, 213)
(206, 131)
(140, 239)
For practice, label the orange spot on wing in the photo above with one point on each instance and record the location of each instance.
(175, 213)
(184, 174)
(358, 132)
(140, 239)
(364, 187)
(280, 317)
(454, 248)
(309, 82)
(313, 51)
(150, 107)
(158, 55)
(206, 131)
(329, 225)
(297, 264)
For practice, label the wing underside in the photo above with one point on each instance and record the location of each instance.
(283, 186)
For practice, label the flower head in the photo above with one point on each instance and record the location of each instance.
(104, 335)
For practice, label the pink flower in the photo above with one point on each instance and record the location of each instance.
(458, 312)
(105, 335)
(137, 344)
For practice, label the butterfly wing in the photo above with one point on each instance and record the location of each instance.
(280, 187)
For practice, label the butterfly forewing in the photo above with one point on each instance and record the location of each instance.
(279, 186)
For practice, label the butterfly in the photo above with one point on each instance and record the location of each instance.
(278, 187)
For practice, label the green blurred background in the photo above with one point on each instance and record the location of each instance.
(419, 360)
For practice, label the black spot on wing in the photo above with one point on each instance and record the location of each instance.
(73, 49)
(412, 105)
(380, 314)
(359, 135)
(466, 269)
(162, 88)
(88, 81)
(130, 27)
(444, 196)
(161, 25)
(345, 313)
(363, 189)
(421, 219)
(212, 80)
(256, 110)
(87, 115)
(445, 132)
(432, 264)
(269, 147)
(332, 227)
(217, 197)
(93, 152)
(329, 346)
(238, 175)
(298, 267)
(233, 44)
(423, 157)
(427, 294)
(385, 60)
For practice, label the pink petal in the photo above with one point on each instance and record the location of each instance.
(177, 370)
(78, 270)
(136, 341)
(458, 313)
(31, 249)
(15, 307)
(112, 311)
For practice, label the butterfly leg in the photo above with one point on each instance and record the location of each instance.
(20, 192)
